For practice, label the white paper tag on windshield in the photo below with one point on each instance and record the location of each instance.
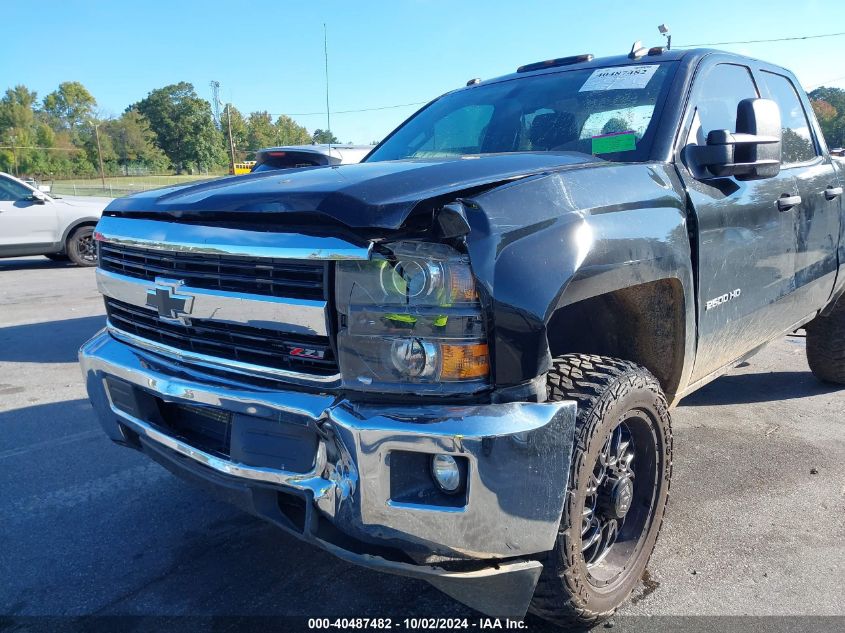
(619, 78)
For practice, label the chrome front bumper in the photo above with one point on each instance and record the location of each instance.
(482, 551)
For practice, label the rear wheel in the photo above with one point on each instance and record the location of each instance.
(81, 247)
(618, 488)
(826, 345)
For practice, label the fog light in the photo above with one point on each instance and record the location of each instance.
(446, 474)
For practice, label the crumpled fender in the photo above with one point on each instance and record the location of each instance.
(550, 240)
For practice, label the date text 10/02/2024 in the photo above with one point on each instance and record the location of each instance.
(415, 623)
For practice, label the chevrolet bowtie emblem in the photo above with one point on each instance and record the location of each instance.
(168, 302)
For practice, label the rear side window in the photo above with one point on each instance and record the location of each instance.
(798, 146)
(718, 97)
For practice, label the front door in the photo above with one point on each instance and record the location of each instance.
(26, 225)
(746, 246)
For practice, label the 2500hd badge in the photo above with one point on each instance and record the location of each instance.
(728, 296)
(456, 360)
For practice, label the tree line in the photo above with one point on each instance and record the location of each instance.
(172, 128)
(829, 105)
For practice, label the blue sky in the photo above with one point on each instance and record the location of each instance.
(268, 54)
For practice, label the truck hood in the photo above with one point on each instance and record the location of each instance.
(377, 195)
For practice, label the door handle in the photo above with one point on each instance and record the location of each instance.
(786, 202)
(832, 192)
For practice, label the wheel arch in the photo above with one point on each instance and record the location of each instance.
(645, 323)
(73, 226)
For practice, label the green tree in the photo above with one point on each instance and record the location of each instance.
(829, 106)
(18, 129)
(70, 107)
(87, 141)
(260, 131)
(324, 136)
(289, 132)
(133, 141)
(184, 126)
(17, 108)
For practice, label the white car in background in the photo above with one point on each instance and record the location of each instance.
(33, 222)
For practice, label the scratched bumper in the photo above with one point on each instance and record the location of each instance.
(365, 497)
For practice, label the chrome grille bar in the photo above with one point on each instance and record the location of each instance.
(298, 316)
(214, 240)
(250, 302)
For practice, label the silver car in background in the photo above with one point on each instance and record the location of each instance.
(33, 222)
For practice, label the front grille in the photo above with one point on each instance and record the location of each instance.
(296, 279)
(256, 346)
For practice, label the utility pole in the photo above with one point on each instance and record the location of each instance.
(100, 155)
(231, 143)
(14, 140)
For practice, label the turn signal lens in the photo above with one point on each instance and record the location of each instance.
(464, 362)
(462, 285)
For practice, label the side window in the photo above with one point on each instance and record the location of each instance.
(798, 145)
(13, 191)
(718, 96)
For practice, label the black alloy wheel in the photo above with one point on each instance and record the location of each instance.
(618, 488)
(82, 248)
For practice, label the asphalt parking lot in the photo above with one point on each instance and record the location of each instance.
(756, 524)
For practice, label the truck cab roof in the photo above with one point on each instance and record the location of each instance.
(689, 57)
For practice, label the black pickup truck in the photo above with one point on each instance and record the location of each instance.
(456, 360)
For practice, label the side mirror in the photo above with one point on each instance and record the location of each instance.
(753, 152)
(38, 197)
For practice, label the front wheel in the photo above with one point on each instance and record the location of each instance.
(617, 492)
(81, 247)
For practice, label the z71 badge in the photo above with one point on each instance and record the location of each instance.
(306, 352)
(728, 296)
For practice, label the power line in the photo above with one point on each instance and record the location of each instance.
(387, 107)
(60, 149)
(819, 85)
(778, 39)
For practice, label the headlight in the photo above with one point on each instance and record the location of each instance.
(411, 322)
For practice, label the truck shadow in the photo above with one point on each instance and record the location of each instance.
(763, 387)
(49, 342)
(32, 263)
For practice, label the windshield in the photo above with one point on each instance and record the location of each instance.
(608, 112)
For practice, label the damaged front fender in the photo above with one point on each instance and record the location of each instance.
(551, 240)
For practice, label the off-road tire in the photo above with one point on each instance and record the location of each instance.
(57, 257)
(606, 390)
(78, 246)
(826, 345)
